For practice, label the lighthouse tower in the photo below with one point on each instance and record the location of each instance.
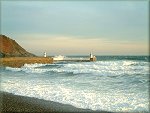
(92, 58)
(44, 54)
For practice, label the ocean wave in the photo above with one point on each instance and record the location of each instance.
(13, 69)
(128, 63)
(29, 68)
(87, 99)
(34, 65)
(117, 86)
(98, 68)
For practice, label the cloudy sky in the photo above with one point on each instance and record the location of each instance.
(77, 27)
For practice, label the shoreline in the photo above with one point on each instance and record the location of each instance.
(20, 61)
(16, 103)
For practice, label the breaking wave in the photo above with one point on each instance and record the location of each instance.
(117, 86)
(99, 67)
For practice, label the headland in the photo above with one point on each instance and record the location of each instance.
(13, 55)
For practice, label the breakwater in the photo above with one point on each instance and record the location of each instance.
(20, 61)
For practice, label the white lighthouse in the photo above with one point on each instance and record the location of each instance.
(91, 56)
(44, 54)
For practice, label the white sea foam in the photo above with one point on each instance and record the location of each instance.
(59, 57)
(128, 63)
(13, 69)
(29, 68)
(34, 65)
(100, 67)
(89, 99)
(95, 90)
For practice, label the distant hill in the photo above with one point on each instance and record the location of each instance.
(10, 48)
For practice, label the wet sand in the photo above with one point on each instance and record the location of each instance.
(20, 61)
(15, 103)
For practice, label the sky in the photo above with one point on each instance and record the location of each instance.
(78, 27)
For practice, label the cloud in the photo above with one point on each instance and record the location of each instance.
(78, 27)
(65, 45)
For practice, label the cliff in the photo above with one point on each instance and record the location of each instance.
(10, 48)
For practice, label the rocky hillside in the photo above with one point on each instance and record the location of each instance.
(10, 48)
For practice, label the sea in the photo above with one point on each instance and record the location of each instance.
(112, 83)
